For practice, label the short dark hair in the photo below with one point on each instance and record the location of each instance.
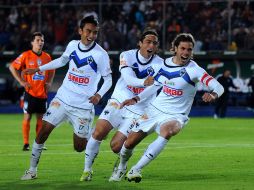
(88, 19)
(146, 32)
(36, 34)
(182, 37)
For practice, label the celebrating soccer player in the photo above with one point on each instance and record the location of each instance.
(137, 67)
(76, 98)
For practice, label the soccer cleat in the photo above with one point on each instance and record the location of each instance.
(29, 175)
(134, 175)
(26, 147)
(86, 176)
(117, 175)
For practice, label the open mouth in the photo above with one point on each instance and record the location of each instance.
(149, 51)
(184, 58)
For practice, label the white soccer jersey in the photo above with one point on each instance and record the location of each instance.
(140, 70)
(179, 86)
(85, 70)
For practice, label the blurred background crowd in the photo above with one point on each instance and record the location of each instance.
(217, 25)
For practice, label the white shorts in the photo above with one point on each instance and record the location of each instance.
(80, 119)
(154, 119)
(120, 119)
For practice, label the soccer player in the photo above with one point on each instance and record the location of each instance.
(36, 86)
(75, 99)
(168, 112)
(137, 66)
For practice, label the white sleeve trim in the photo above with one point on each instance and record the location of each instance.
(107, 83)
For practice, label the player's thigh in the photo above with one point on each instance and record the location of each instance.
(112, 113)
(81, 121)
(56, 113)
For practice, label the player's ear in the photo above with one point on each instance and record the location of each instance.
(139, 44)
(80, 31)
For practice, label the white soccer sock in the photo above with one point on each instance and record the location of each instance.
(125, 155)
(152, 152)
(35, 157)
(92, 149)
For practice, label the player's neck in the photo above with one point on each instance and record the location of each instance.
(86, 47)
(36, 51)
(143, 58)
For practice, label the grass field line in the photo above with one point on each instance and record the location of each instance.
(140, 149)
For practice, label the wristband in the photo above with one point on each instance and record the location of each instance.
(135, 99)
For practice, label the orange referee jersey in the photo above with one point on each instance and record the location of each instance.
(30, 59)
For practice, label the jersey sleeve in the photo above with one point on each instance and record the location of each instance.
(66, 54)
(104, 65)
(209, 81)
(123, 61)
(19, 62)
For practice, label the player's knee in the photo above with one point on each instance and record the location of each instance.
(129, 145)
(115, 147)
(79, 148)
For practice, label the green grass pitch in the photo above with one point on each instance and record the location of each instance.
(207, 155)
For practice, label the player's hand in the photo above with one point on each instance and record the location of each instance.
(129, 102)
(25, 84)
(95, 99)
(209, 97)
(149, 81)
(29, 71)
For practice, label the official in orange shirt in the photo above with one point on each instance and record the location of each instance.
(36, 86)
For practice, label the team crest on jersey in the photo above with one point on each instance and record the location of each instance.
(142, 73)
(182, 72)
(39, 62)
(150, 71)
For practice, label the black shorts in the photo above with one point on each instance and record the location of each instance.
(34, 105)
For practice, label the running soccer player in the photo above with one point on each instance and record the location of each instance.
(36, 86)
(168, 112)
(137, 66)
(76, 98)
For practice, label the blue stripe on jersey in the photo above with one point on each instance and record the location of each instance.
(170, 75)
(142, 74)
(82, 62)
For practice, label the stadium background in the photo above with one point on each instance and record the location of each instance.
(224, 31)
